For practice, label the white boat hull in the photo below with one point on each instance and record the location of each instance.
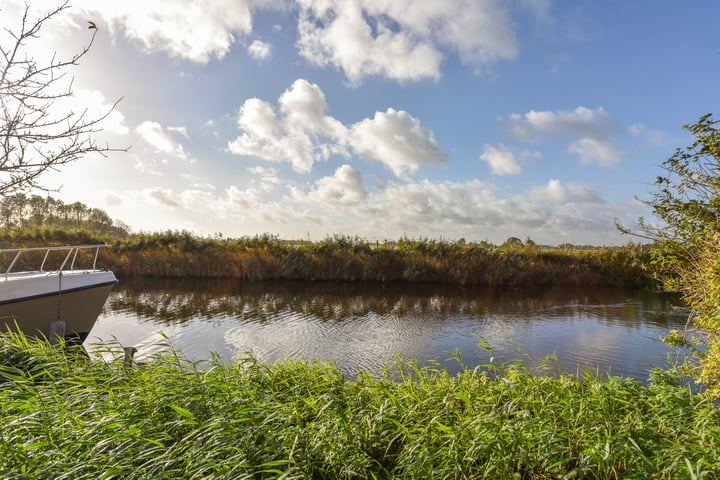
(50, 304)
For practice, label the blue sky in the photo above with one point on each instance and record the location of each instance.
(476, 119)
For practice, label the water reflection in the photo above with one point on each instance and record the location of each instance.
(365, 325)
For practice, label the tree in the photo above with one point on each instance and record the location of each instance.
(687, 200)
(512, 242)
(37, 133)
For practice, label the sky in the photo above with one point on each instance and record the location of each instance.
(474, 119)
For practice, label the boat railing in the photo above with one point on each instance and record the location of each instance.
(72, 251)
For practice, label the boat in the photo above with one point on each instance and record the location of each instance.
(53, 302)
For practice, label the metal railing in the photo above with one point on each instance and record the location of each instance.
(71, 251)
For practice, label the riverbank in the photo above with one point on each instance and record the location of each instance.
(63, 415)
(344, 259)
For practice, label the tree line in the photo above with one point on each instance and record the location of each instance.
(23, 211)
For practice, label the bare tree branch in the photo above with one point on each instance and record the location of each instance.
(37, 132)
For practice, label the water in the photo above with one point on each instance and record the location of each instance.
(360, 326)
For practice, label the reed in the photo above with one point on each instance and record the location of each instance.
(343, 259)
(64, 415)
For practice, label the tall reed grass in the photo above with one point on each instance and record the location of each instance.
(344, 259)
(66, 416)
(347, 259)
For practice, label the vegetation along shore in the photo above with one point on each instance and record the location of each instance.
(346, 259)
(63, 415)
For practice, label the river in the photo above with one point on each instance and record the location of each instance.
(367, 326)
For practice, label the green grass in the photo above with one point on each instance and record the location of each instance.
(63, 415)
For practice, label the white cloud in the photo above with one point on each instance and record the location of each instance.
(199, 200)
(345, 187)
(94, 104)
(268, 181)
(305, 103)
(501, 160)
(39, 47)
(262, 171)
(434, 206)
(480, 31)
(155, 136)
(600, 152)
(180, 130)
(148, 166)
(403, 39)
(551, 213)
(188, 30)
(236, 198)
(259, 50)
(555, 192)
(349, 43)
(397, 39)
(594, 127)
(396, 139)
(302, 133)
(581, 121)
(258, 119)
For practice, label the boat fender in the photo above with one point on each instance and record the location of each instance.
(57, 330)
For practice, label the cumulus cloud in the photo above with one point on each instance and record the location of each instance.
(553, 213)
(238, 199)
(200, 199)
(556, 192)
(594, 127)
(259, 50)
(345, 187)
(349, 43)
(582, 121)
(600, 152)
(396, 139)
(94, 105)
(301, 135)
(501, 160)
(161, 141)
(413, 205)
(301, 132)
(181, 29)
(403, 39)
(304, 102)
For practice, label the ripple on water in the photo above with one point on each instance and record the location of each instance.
(366, 328)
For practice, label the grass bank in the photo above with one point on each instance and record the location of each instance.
(63, 415)
(345, 259)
